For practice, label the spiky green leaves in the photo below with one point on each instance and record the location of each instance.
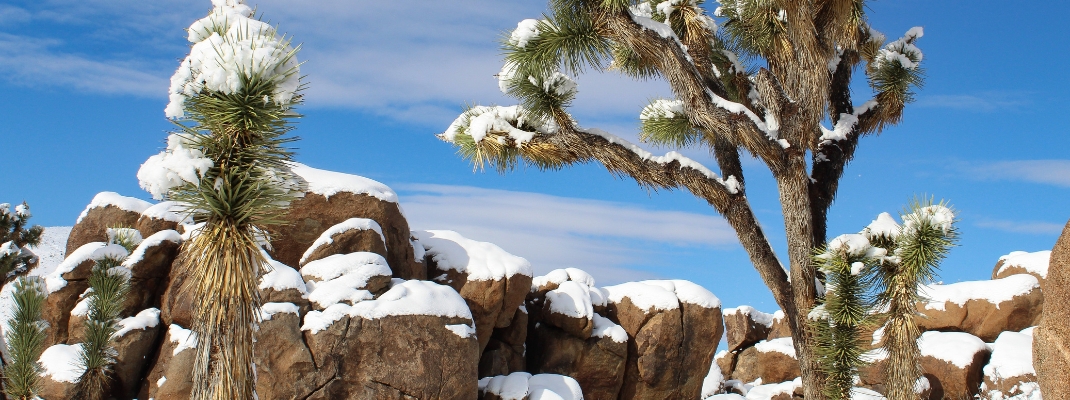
(25, 339)
(664, 122)
(895, 70)
(109, 285)
(501, 136)
(15, 237)
(838, 323)
(756, 26)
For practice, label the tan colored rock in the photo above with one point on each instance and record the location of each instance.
(780, 328)
(726, 362)
(953, 362)
(166, 215)
(313, 214)
(284, 365)
(136, 341)
(150, 266)
(1051, 340)
(171, 374)
(673, 329)
(597, 363)
(492, 282)
(107, 210)
(504, 353)
(745, 326)
(1021, 262)
(983, 308)
(350, 236)
(772, 361)
(59, 375)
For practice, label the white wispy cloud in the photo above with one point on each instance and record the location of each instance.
(1049, 172)
(1028, 227)
(605, 238)
(33, 61)
(985, 102)
(418, 62)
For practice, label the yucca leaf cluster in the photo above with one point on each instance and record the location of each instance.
(109, 285)
(16, 236)
(239, 185)
(874, 278)
(25, 340)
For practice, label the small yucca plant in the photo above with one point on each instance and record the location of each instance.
(232, 100)
(109, 285)
(25, 339)
(15, 236)
(918, 247)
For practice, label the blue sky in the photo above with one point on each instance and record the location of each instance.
(84, 85)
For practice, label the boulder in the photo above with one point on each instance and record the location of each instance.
(1021, 262)
(1051, 340)
(134, 342)
(349, 236)
(953, 362)
(492, 282)
(284, 365)
(505, 353)
(524, 386)
(769, 360)
(67, 282)
(777, 391)
(983, 308)
(1011, 364)
(333, 198)
(171, 374)
(167, 215)
(59, 371)
(414, 341)
(780, 328)
(348, 278)
(673, 330)
(150, 266)
(597, 363)
(107, 210)
(282, 284)
(726, 362)
(745, 326)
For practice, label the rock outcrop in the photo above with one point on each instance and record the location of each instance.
(983, 308)
(1051, 340)
(953, 363)
(107, 210)
(1010, 369)
(769, 360)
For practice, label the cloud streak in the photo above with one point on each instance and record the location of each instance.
(606, 238)
(32, 61)
(1048, 172)
(1027, 227)
(986, 102)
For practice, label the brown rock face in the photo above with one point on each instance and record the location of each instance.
(350, 241)
(770, 366)
(984, 319)
(1051, 340)
(404, 357)
(313, 214)
(284, 365)
(745, 326)
(493, 302)
(171, 374)
(94, 226)
(132, 351)
(504, 353)
(149, 225)
(150, 267)
(946, 379)
(597, 363)
(58, 305)
(669, 351)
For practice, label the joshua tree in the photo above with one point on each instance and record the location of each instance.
(109, 282)
(15, 238)
(232, 99)
(876, 276)
(916, 249)
(760, 85)
(25, 340)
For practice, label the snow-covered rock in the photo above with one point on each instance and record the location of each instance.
(524, 386)
(1021, 262)
(1011, 364)
(983, 308)
(953, 362)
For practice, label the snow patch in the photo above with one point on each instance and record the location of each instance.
(183, 338)
(329, 183)
(147, 318)
(61, 363)
(171, 211)
(662, 294)
(156, 239)
(768, 391)
(522, 385)
(1012, 356)
(104, 199)
(481, 261)
(754, 315)
(89, 251)
(282, 277)
(268, 310)
(604, 327)
(995, 291)
(414, 298)
(1035, 262)
(463, 330)
(780, 345)
(957, 348)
